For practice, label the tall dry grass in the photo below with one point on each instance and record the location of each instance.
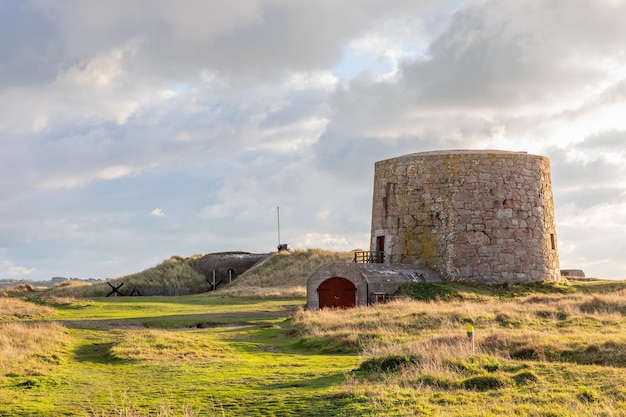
(20, 290)
(31, 348)
(546, 327)
(538, 355)
(174, 273)
(16, 309)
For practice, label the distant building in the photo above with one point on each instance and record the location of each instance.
(222, 268)
(573, 273)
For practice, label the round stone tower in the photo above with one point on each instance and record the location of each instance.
(479, 216)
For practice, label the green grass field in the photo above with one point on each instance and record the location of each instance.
(540, 350)
(192, 355)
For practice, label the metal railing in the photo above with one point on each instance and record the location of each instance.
(369, 257)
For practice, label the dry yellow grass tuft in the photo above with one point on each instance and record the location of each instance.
(31, 348)
(174, 276)
(565, 327)
(16, 309)
(66, 301)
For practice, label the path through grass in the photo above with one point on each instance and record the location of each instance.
(192, 355)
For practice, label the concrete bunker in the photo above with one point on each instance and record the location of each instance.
(223, 268)
(344, 285)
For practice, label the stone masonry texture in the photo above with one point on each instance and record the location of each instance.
(481, 216)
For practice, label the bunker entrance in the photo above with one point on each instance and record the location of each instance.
(337, 292)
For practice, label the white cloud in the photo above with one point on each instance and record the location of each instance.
(157, 212)
(68, 181)
(214, 211)
(591, 236)
(184, 137)
(323, 240)
(9, 270)
(96, 90)
(322, 80)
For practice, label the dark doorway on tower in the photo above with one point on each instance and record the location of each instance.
(337, 292)
(379, 255)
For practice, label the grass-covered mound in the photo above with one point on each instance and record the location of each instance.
(175, 276)
(13, 309)
(29, 345)
(284, 274)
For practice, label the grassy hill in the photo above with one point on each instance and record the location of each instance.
(284, 274)
(175, 276)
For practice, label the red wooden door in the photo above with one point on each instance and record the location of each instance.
(337, 292)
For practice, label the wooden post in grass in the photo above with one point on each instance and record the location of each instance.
(213, 280)
(470, 333)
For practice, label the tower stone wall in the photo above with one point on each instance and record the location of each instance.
(480, 216)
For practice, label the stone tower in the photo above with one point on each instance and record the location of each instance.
(479, 216)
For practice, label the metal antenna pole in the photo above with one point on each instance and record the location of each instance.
(278, 215)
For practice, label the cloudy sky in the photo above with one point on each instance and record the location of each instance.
(134, 130)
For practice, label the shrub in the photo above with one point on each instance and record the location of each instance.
(505, 320)
(587, 395)
(525, 377)
(536, 353)
(13, 309)
(484, 382)
(391, 363)
(490, 364)
(459, 365)
(436, 380)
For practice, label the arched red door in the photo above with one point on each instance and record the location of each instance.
(337, 292)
